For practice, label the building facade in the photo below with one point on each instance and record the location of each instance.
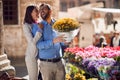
(65, 4)
(5, 65)
(80, 10)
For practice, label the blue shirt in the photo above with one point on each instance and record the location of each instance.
(35, 28)
(48, 50)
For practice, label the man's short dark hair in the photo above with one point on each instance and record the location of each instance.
(45, 5)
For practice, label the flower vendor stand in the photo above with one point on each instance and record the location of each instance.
(101, 63)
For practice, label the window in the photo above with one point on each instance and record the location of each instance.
(72, 4)
(86, 2)
(79, 2)
(117, 4)
(63, 6)
(10, 12)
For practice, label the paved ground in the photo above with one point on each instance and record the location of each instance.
(20, 67)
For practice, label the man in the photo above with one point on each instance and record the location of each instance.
(49, 47)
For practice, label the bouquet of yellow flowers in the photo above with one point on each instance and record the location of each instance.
(65, 25)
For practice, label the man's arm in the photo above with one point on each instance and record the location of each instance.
(41, 44)
(44, 44)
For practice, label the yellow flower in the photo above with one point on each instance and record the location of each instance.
(65, 25)
(79, 76)
(68, 77)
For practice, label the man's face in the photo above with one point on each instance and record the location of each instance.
(44, 12)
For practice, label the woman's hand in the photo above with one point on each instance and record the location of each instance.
(40, 27)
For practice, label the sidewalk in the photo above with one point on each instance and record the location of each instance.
(20, 67)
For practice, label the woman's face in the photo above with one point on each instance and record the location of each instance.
(35, 14)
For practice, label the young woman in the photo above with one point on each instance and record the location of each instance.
(30, 27)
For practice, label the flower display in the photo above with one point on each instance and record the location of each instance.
(74, 73)
(102, 62)
(70, 54)
(101, 66)
(96, 52)
(65, 25)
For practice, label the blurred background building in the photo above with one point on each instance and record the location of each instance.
(65, 4)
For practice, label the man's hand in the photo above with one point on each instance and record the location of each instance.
(40, 25)
(59, 39)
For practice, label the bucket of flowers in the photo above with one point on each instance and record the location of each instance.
(71, 56)
(74, 73)
(67, 26)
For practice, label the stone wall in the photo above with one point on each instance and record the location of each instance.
(1, 47)
(15, 42)
(5, 65)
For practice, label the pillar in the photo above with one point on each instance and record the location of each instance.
(4, 62)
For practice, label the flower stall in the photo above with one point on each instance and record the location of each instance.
(102, 63)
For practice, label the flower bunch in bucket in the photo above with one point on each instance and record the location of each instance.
(66, 25)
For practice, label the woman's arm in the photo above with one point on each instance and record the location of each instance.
(37, 37)
(28, 34)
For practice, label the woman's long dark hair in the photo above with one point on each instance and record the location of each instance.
(28, 18)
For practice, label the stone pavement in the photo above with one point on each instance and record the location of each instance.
(20, 67)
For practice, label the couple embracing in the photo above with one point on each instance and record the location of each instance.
(43, 45)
